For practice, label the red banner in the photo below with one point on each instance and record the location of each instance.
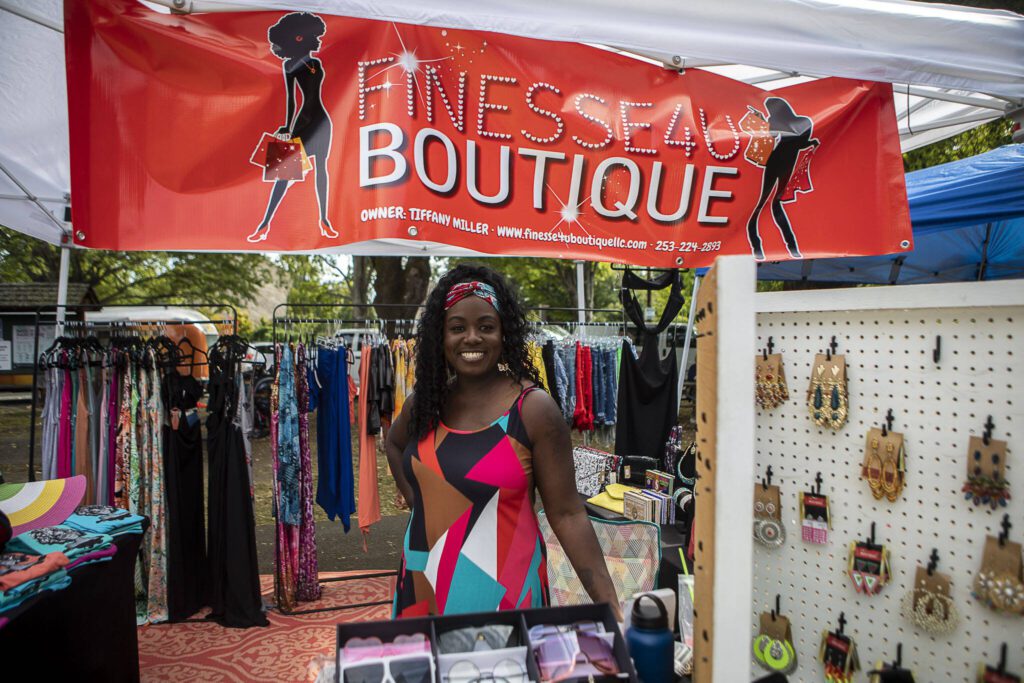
(296, 131)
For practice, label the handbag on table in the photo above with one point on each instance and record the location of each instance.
(594, 469)
(633, 468)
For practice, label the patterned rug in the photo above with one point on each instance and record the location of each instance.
(289, 650)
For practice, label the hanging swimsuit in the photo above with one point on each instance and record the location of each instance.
(647, 401)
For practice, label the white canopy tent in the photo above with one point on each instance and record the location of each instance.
(952, 68)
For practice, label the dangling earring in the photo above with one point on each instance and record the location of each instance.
(873, 465)
(503, 367)
(450, 373)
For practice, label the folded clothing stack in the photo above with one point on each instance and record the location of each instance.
(80, 547)
(105, 519)
(24, 575)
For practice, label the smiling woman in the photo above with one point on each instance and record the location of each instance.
(469, 450)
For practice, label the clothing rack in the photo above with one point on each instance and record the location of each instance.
(319, 320)
(573, 309)
(122, 325)
(287, 321)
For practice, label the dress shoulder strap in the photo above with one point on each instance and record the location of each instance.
(523, 394)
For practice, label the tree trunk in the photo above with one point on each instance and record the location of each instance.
(400, 281)
(360, 283)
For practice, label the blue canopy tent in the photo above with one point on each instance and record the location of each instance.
(968, 222)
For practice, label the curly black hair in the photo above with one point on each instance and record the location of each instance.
(294, 35)
(431, 373)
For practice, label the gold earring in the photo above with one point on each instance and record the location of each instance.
(874, 480)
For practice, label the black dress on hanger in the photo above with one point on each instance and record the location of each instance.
(648, 397)
(183, 478)
(234, 582)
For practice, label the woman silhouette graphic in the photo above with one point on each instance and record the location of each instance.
(294, 38)
(793, 134)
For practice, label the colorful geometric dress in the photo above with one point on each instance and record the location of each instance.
(473, 543)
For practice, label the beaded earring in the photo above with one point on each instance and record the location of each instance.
(928, 604)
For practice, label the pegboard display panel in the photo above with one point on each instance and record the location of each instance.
(937, 407)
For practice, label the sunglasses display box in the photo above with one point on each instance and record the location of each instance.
(521, 620)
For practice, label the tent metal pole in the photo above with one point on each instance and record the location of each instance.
(983, 266)
(581, 294)
(62, 288)
(29, 16)
(31, 197)
(689, 338)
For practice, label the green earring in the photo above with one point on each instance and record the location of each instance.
(775, 655)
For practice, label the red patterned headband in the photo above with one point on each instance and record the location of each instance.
(481, 289)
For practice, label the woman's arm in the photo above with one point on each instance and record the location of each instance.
(556, 480)
(394, 446)
(289, 88)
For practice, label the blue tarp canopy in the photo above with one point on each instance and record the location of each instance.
(968, 222)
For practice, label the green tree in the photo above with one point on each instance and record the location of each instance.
(967, 144)
(315, 279)
(142, 277)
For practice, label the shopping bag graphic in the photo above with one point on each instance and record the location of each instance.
(280, 159)
(284, 161)
(259, 155)
(307, 165)
(800, 181)
(761, 142)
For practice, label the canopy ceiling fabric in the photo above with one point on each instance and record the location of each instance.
(953, 68)
(968, 219)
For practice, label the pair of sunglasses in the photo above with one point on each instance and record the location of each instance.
(399, 669)
(475, 639)
(542, 631)
(505, 671)
(567, 655)
(358, 649)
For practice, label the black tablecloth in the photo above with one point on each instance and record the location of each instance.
(85, 632)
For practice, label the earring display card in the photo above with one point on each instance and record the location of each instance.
(1000, 581)
(989, 674)
(768, 527)
(838, 655)
(986, 473)
(929, 604)
(869, 567)
(816, 518)
(827, 393)
(884, 464)
(771, 390)
(773, 646)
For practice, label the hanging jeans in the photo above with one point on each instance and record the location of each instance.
(568, 355)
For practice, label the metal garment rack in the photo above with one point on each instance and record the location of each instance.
(572, 309)
(301, 320)
(321, 320)
(123, 325)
